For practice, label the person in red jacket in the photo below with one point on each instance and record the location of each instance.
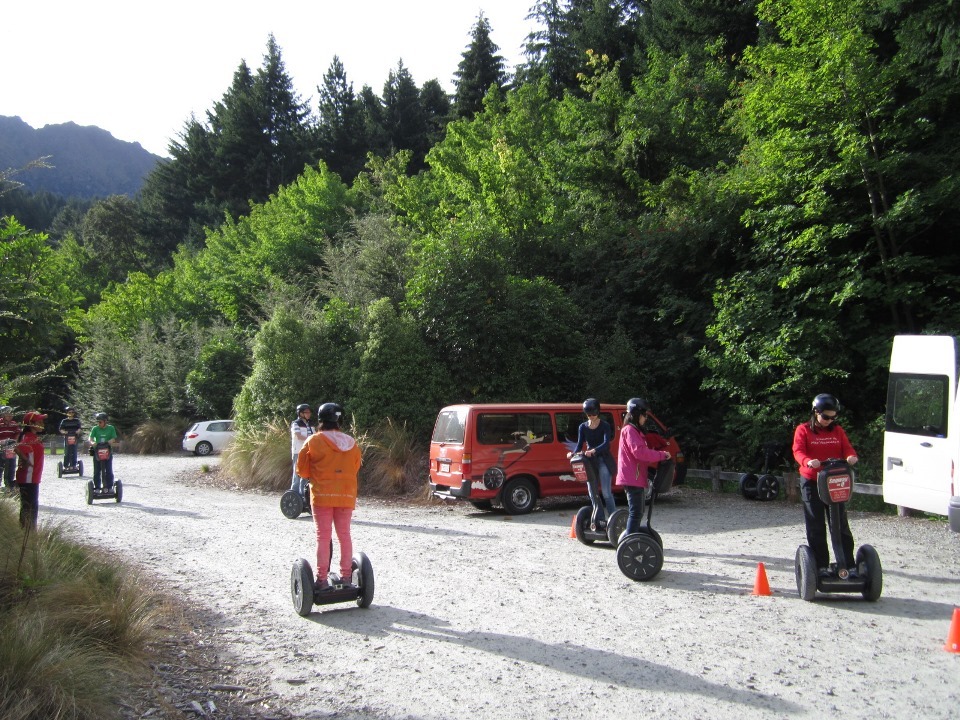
(30, 468)
(814, 441)
(330, 460)
(9, 435)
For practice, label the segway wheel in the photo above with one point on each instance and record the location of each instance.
(59, 469)
(768, 487)
(301, 587)
(868, 563)
(80, 468)
(291, 504)
(748, 486)
(364, 572)
(805, 566)
(583, 524)
(89, 492)
(640, 557)
(617, 525)
(654, 534)
(118, 491)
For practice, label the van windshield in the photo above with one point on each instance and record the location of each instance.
(449, 427)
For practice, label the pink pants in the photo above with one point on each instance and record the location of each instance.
(340, 517)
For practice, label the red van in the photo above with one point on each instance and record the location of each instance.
(513, 454)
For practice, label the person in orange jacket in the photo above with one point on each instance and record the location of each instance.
(330, 460)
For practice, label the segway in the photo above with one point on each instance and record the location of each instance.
(356, 588)
(640, 554)
(293, 503)
(835, 487)
(76, 469)
(587, 526)
(104, 452)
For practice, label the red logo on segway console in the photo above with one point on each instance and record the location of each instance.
(71, 440)
(840, 488)
(103, 453)
(579, 468)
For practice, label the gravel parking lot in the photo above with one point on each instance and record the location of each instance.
(483, 615)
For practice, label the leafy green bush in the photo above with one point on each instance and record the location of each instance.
(74, 626)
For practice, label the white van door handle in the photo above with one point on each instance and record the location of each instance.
(926, 444)
(891, 461)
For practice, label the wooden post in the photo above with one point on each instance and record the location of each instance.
(792, 481)
(715, 478)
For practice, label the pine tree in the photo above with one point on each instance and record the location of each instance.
(340, 130)
(480, 68)
(405, 121)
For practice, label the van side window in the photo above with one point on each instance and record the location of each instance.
(917, 404)
(568, 424)
(514, 428)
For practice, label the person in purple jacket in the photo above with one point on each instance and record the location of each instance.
(634, 459)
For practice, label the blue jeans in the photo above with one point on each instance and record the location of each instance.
(103, 473)
(9, 471)
(606, 501)
(635, 502)
(297, 483)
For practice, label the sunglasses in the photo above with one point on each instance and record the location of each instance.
(827, 417)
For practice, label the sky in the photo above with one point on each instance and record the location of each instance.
(140, 69)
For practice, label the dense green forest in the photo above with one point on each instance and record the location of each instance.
(725, 206)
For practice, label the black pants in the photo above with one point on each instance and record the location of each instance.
(815, 515)
(29, 504)
(9, 470)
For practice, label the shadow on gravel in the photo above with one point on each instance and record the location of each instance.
(418, 529)
(587, 662)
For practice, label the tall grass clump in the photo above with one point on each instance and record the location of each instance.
(259, 457)
(393, 461)
(154, 437)
(74, 626)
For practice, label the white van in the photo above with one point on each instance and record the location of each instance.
(921, 439)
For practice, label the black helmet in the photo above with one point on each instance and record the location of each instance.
(825, 401)
(301, 407)
(329, 412)
(636, 407)
(70, 409)
(591, 406)
(100, 416)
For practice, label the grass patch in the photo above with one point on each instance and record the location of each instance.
(154, 437)
(74, 626)
(394, 463)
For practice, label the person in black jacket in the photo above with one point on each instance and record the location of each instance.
(70, 428)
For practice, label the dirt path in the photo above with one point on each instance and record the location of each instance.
(482, 615)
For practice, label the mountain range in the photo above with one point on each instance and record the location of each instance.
(88, 162)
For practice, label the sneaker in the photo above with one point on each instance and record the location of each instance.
(321, 586)
(854, 575)
(825, 573)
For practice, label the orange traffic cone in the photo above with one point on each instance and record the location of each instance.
(573, 527)
(953, 637)
(760, 585)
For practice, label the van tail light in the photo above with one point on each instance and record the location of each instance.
(953, 484)
(466, 459)
(191, 436)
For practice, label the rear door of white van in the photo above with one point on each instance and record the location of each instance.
(920, 438)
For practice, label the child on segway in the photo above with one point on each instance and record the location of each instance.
(70, 428)
(815, 441)
(330, 461)
(634, 459)
(593, 440)
(300, 430)
(103, 438)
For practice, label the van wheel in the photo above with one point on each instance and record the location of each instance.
(519, 496)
